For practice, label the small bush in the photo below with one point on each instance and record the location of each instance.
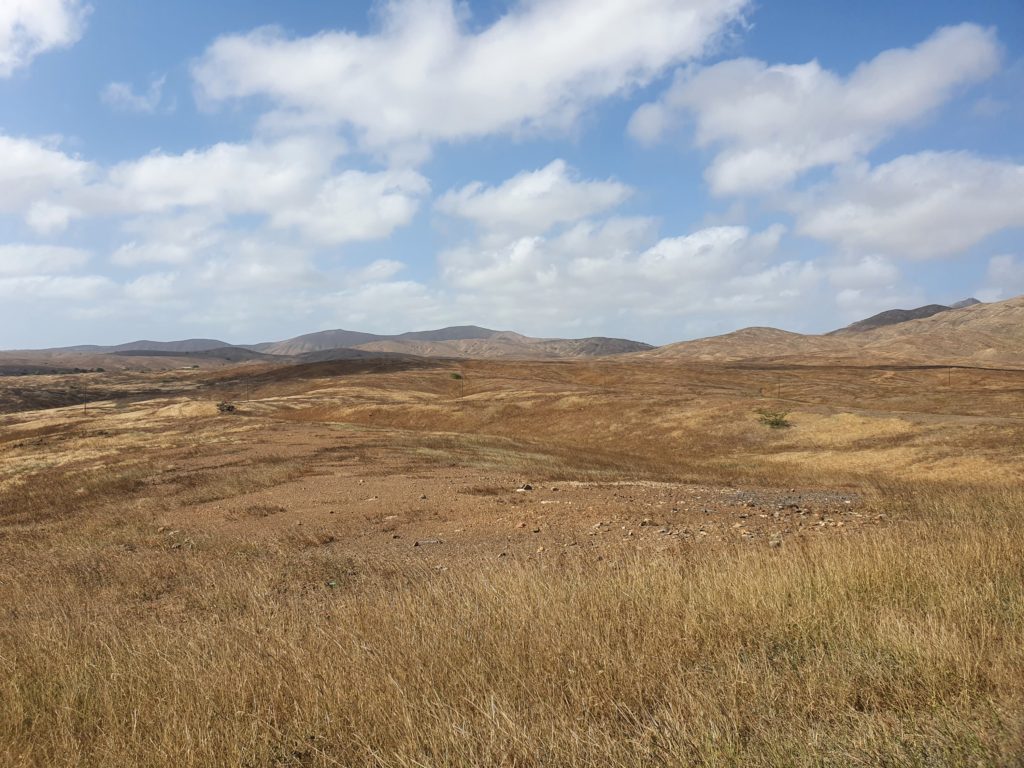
(774, 419)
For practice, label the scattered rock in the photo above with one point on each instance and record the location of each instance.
(424, 542)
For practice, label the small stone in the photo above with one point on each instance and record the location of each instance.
(536, 530)
(646, 522)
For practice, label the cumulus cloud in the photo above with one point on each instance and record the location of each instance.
(24, 259)
(356, 206)
(228, 178)
(771, 123)
(533, 201)
(425, 76)
(1004, 278)
(122, 96)
(291, 182)
(36, 177)
(60, 287)
(31, 27)
(867, 285)
(597, 268)
(866, 272)
(921, 206)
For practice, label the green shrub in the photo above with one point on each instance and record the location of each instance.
(774, 419)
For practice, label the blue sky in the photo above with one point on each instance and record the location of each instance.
(655, 169)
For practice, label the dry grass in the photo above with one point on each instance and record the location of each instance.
(898, 648)
(128, 642)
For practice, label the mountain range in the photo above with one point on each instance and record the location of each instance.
(968, 332)
(455, 341)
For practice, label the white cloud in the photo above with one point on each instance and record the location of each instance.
(122, 96)
(927, 205)
(869, 284)
(226, 178)
(34, 177)
(773, 123)
(23, 259)
(1004, 278)
(291, 182)
(62, 287)
(611, 269)
(153, 287)
(31, 27)
(356, 206)
(533, 201)
(866, 272)
(168, 239)
(49, 218)
(425, 76)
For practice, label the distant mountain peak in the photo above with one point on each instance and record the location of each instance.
(964, 303)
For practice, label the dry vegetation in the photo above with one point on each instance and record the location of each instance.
(179, 587)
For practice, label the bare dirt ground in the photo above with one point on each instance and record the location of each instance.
(355, 498)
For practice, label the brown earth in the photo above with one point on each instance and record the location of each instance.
(347, 569)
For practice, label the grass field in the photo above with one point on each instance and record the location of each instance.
(342, 572)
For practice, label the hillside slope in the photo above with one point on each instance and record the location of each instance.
(977, 334)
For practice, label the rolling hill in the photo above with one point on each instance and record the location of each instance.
(456, 341)
(897, 316)
(976, 334)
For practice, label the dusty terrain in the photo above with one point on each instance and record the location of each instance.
(349, 567)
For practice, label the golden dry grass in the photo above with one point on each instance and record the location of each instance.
(126, 641)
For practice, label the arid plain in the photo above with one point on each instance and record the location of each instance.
(420, 561)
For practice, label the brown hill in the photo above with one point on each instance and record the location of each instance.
(508, 345)
(747, 344)
(990, 334)
(978, 334)
(892, 317)
(458, 341)
(896, 316)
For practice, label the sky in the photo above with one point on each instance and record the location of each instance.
(660, 170)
